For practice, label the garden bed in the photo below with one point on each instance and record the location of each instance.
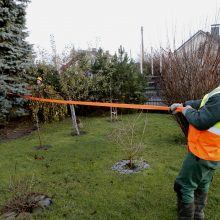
(14, 130)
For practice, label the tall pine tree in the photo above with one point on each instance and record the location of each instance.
(15, 57)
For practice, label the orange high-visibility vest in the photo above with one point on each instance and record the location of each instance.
(205, 144)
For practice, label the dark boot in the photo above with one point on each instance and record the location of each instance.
(200, 203)
(178, 204)
(177, 189)
(186, 211)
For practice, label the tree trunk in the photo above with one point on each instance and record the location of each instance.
(114, 114)
(73, 116)
(38, 130)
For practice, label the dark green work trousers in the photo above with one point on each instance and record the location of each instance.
(195, 174)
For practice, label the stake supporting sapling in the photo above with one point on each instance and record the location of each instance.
(73, 116)
(38, 130)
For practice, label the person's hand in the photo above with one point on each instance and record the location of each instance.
(174, 106)
(185, 109)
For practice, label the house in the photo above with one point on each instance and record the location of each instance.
(200, 38)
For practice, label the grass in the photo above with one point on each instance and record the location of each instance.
(76, 171)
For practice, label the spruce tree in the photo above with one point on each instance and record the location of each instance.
(15, 57)
(127, 82)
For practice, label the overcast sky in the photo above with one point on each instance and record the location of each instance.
(111, 23)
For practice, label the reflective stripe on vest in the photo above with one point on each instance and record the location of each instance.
(204, 100)
(205, 144)
(214, 130)
(207, 96)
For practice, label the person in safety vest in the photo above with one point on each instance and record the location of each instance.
(203, 158)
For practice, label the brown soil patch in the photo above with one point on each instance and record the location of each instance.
(16, 130)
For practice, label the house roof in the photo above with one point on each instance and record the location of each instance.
(200, 32)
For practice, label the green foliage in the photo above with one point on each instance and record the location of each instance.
(83, 62)
(117, 78)
(101, 77)
(50, 88)
(11, 106)
(47, 112)
(48, 73)
(15, 56)
(102, 63)
(126, 82)
(102, 70)
(74, 82)
(75, 86)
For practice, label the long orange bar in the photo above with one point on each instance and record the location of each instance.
(101, 104)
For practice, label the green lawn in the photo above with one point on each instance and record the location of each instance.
(76, 171)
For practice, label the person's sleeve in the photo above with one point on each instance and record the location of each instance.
(207, 116)
(193, 103)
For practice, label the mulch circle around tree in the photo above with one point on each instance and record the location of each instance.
(42, 147)
(37, 157)
(122, 166)
(22, 207)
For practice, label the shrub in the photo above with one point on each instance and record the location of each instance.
(189, 73)
(47, 112)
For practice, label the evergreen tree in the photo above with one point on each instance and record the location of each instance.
(127, 83)
(102, 74)
(15, 57)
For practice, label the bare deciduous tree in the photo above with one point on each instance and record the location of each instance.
(189, 73)
(129, 136)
